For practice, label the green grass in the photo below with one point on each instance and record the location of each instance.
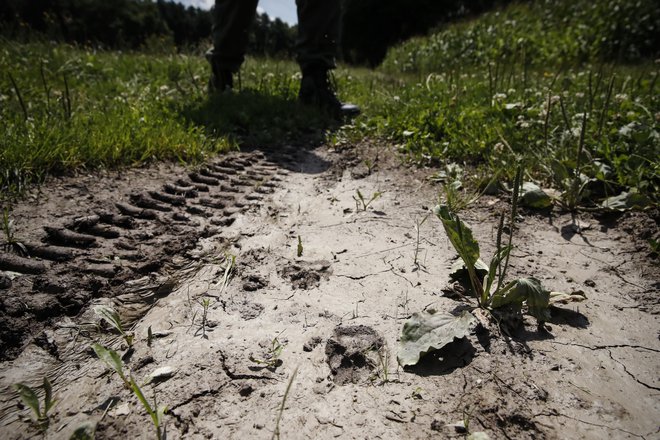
(66, 108)
(511, 87)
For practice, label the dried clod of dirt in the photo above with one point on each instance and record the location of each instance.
(305, 275)
(352, 353)
(5, 282)
(254, 282)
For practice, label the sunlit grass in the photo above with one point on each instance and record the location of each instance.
(81, 108)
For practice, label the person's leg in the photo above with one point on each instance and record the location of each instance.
(318, 31)
(231, 23)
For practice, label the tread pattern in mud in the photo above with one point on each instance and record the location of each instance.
(94, 254)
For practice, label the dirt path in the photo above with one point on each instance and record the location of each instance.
(153, 244)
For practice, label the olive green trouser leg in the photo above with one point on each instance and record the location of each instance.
(231, 23)
(318, 31)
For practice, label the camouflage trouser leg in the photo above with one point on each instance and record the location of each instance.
(318, 31)
(231, 23)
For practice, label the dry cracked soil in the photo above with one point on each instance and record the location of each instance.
(316, 299)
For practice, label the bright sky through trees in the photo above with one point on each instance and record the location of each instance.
(285, 10)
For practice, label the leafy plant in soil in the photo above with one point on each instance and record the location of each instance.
(428, 331)
(112, 360)
(31, 399)
(205, 303)
(272, 358)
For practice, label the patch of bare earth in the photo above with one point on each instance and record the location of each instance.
(152, 243)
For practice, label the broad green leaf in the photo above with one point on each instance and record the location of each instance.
(565, 298)
(528, 290)
(111, 359)
(29, 397)
(559, 170)
(533, 196)
(464, 243)
(626, 200)
(459, 235)
(425, 332)
(48, 398)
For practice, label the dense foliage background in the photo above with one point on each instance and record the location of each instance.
(369, 27)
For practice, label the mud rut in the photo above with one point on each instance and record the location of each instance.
(153, 245)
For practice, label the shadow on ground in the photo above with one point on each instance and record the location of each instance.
(449, 358)
(268, 123)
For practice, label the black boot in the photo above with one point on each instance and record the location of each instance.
(317, 90)
(221, 80)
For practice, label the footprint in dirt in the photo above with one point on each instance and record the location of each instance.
(305, 275)
(352, 353)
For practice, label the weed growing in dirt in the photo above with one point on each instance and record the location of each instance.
(492, 293)
(110, 315)
(427, 331)
(383, 371)
(112, 360)
(418, 225)
(361, 202)
(272, 359)
(205, 303)
(31, 400)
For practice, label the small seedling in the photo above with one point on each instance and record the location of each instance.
(205, 303)
(360, 201)
(418, 225)
(272, 358)
(110, 315)
(30, 399)
(112, 360)
(383, 371)
(299, 251)
(371, 165)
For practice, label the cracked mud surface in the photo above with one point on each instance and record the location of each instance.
(153, 243)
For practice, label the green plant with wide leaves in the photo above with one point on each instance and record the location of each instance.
(428, 331)
(30, 398)
(493, 292)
